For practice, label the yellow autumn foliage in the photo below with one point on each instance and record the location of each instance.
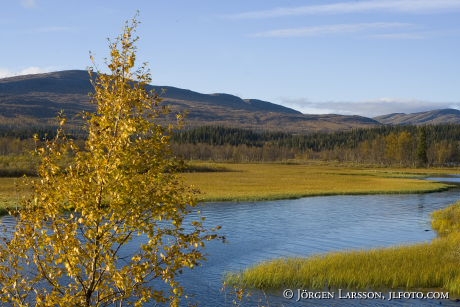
(90, 202)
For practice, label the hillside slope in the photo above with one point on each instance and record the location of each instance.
(38, 98)
(442, 116)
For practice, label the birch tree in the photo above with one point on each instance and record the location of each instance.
(72, 245)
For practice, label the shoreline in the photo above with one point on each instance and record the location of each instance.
(287, 197)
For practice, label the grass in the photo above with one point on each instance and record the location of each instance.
(269, 181)
(12, 190)
(422, 266)
(17, 165)
(283, 181)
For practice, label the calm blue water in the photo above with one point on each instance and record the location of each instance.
(258, 231)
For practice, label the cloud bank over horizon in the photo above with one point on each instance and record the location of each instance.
(371, 108)
(6, 73)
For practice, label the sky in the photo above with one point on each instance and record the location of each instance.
(361, 57)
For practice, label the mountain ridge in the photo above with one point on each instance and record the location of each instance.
(39, 97)
(439, 116)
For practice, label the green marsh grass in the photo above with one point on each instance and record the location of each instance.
(269, 181)
(424, 266)
(283, 181)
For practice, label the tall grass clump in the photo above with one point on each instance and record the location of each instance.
(432, 265)
(447, 221)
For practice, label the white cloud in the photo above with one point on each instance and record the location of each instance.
(332, 29)
(369, 108)
(414, 35)
(29, 3)
(5, 72)
(395, 6)
(33, 70)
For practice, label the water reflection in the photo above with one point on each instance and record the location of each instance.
(446, 179)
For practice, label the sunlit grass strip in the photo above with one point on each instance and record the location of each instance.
(270, 181)
(419, 266)
(432, 265)
(284, 181)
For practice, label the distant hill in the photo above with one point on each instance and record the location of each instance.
(41, 96)
(36, 99)
(442, 116)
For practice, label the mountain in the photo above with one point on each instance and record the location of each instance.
(442, 116)
(41, 96)
(36, 100)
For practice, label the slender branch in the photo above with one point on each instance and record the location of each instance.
(43, 273)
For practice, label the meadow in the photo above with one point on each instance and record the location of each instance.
(270, 181)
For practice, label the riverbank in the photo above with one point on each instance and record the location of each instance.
(418, 267)
(272, 181)
(240, 182)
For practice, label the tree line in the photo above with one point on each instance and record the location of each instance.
(431, 145)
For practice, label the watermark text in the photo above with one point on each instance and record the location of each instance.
(302, 294)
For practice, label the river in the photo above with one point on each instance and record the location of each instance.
(258, 231)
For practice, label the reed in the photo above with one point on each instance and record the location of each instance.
(422, 266)
(447, 221)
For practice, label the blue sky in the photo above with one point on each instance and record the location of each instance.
(366, 57)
